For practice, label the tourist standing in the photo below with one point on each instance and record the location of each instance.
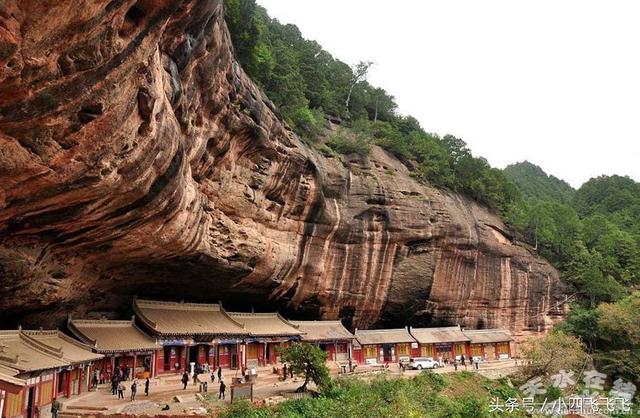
(219, 374)
(55, 407)
(185, 380)
(213, 376)
(462, 361)
(134, 390)
(146, 387)
(114, 385)
(120, 390)
(223, 387)
(284, 374)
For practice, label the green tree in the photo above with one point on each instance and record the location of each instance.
(308, 360)
(555, 351)
(585, 272)
(619, 322)
(239, 15)
(360, 71)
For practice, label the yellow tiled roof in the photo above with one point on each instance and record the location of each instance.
(112, 336)
(72, 351)
(18, 351)
(8, 375)
(180, 318)
(265, 324)
(384, 336)
(323, 330)
(484, 336)
(438, 335)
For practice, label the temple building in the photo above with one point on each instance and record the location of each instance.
(75, 379)
(9, 385)
(489, 344)
(330, 336)
(444, 343)
(124, 346)
(385, 345)
(267, 332)
(191, 334)
(50, 365)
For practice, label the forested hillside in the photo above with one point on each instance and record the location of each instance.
(535, 184)
(593, 236)
(307, 84)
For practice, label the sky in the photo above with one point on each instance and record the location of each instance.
(555, 82)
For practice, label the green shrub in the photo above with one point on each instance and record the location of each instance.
(345, 143)
(501, 389)
(552, 393)
(244, 409)
(308, 123)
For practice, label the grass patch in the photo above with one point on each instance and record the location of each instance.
(458, 395)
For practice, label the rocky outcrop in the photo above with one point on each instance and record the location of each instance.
(136, 157)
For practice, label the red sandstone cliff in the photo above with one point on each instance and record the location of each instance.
(136, 157)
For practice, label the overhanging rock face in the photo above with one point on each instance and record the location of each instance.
(137, 158)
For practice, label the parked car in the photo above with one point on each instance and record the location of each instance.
(479, 359)
(423, 363)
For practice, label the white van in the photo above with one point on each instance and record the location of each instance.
(422, 363)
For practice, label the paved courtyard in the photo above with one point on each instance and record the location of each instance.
(168, 391)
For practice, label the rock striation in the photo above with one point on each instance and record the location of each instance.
(137, 158)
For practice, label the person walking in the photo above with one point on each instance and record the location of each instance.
(55, 407)
(146, 387)
(195, 377)
(284, 374)
(121, 390)
(223, 387)
(462, 360)
(185, 380)
(134, 390)
(219, 374)
(455, 366)
(114, 385)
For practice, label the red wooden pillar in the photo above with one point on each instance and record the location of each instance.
(80, 379)
(68, 390)
(183, 357)
(216, 355)
(243, 355)
(159, 357)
